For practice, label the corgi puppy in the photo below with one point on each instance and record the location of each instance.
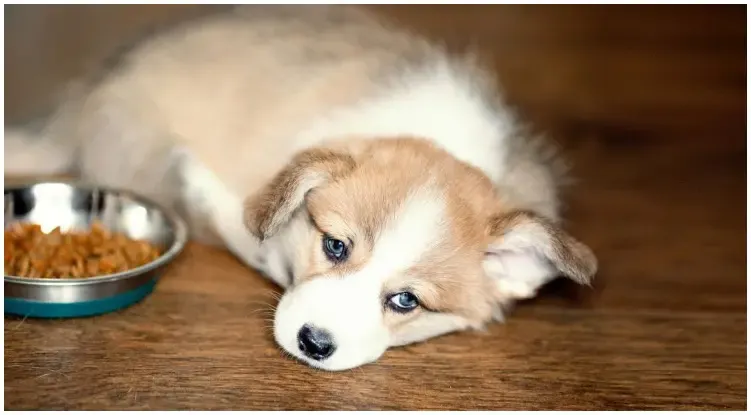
(376, 177)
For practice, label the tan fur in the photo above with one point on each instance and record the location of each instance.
(274, 206)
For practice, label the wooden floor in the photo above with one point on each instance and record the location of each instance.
(650, 104)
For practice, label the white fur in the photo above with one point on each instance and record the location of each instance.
(437, 102)
(351, 307)
(428, 326)
(519, 263)
(205, 195)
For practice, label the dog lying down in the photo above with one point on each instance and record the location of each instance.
(377, 178)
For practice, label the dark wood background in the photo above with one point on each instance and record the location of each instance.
(649, 103)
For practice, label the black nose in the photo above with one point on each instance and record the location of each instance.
(316, 343)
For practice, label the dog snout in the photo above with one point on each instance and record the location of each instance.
(315, 343)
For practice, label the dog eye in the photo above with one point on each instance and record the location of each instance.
(335, 250)
(403, 302)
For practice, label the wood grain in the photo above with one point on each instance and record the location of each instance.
(649, 103)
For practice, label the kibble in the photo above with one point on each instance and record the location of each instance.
(31, 253)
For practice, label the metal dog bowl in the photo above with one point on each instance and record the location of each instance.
(74, 206)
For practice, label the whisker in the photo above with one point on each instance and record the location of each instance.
(261, 303)
(263, 310)
(21, 322)
(273, 294)
(287, 355)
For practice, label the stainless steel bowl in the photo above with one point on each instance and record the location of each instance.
(74, 206)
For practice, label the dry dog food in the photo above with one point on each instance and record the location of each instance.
(31, 253)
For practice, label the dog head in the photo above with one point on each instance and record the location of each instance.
(396, 241)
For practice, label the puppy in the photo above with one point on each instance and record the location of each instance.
(377, 178)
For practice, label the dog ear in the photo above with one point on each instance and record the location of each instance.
(527, 251)
(269, 209)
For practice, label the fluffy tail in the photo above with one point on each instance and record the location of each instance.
(35, 153)
(48, 145)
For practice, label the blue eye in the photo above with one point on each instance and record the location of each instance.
(335, 250)
(403, 302)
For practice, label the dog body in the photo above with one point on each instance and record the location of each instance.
(376, 177)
